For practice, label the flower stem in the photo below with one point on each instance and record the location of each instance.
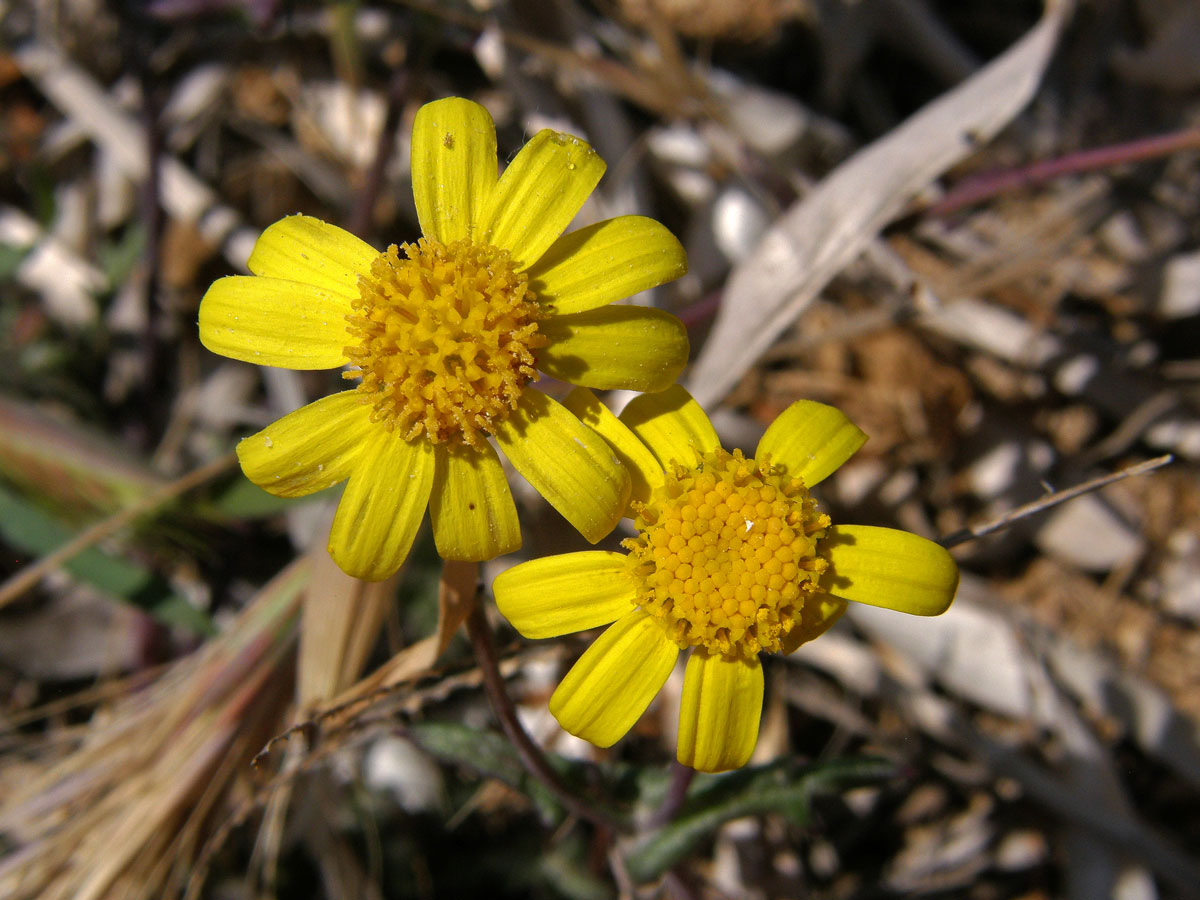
(532, 757)
(681, 780)
(989, 184)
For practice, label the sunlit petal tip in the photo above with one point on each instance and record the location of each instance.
(567, 463)
(890, 568)
(382, 507)
(311, 449)
(273, 322)
(605, 262)
(471, 507)
(632, 348)
(672, 425)
(811, 440)
(453, 167)
(611, 685)
(301, 248)
(719, 712)
(539, 194)
(557, 595)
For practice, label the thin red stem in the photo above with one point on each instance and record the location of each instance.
(989, 184)
(681, 780)
(532, 757)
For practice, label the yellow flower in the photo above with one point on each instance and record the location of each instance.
(446, 335)
(732, 558)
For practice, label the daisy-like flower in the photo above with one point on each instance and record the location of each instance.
(446, 334)
(732, 559)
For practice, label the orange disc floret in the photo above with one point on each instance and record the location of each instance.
(727, 553)
(444, 339)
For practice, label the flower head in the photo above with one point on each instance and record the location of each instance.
(445, 336)
(732, 558)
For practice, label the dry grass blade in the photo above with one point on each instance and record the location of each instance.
(826, 230)
(69, 466)
(456, 596)
(124, 812)
(456, 599)
(25, 579)
(342, 620)
(1054, 499)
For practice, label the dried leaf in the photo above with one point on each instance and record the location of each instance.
(456, 596)
(342, 620)
(826, 230)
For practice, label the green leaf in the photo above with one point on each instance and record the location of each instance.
(118, 258)
(11, 258)
(784, 787)
(240, 498)
(561, 871)
(488, 754)
(31, 530)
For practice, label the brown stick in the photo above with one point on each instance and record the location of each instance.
(1052, 500)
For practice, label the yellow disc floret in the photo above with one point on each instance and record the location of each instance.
(444, 339)
(727, 553)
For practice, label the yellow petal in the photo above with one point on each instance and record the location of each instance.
(474, 517)
(672, 425)
(539, 194)
(558, 595)
(890, 568)
(631, 348)
(568, 463)
(383, 505)
(273, 322)
(301, 248)
(719, 712)
(453, 166)
(615, 680)
(810, 440)
(308, 450)
(608, 261)
(645, 473)
(818, 615)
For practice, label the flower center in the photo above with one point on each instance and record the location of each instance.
(444, 339)
(726, 554)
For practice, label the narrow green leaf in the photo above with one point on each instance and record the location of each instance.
(31, 530)
(562, 872)
(11, 258)
(488, 754)
(784, 787)
(240, 498)
(119, 258)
